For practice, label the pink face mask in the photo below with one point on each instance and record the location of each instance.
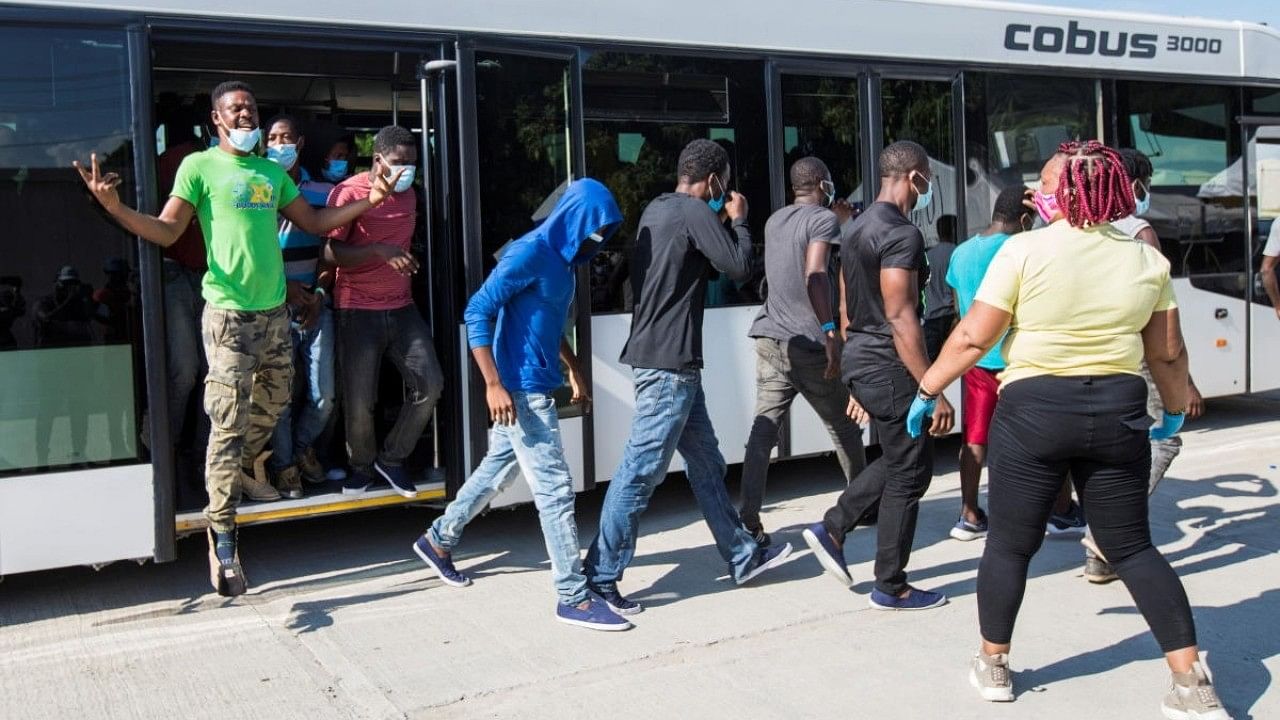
(1046, 205)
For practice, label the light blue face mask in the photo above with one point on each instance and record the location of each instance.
(244, 140)
(406, 180)
(717, 204)
(286, 156)
(335, 170)
(1144, 204)
(924, 198)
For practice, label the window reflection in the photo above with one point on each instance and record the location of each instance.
(1197, 195)
(69, 321)
(640, 110)
(1013, 125)
(920, 110)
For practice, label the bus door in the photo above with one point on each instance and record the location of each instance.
(1262, 167)
(520, 145)
(927, 107)
(820, 110)
(341, 89)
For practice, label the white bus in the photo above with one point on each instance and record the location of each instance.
(513, 99)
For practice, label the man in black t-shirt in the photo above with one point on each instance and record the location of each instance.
(797, 343)
(680, 239)
(884, 266)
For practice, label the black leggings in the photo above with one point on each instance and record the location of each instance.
(1094, 428)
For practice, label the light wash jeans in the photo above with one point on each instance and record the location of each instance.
(313, 356)
(671, 414)
(531, 446)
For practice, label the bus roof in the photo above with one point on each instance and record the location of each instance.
(961, 31)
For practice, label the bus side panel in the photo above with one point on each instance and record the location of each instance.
(76, 518)
(1213, 325)
(728, 381)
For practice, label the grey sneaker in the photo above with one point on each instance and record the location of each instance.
(1191, 697)
(989, 674)
(1097, 570)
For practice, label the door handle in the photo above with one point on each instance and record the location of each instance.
(1220, 314)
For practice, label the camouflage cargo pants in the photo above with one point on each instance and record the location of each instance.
(249, 381)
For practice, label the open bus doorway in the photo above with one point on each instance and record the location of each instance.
(340, 97)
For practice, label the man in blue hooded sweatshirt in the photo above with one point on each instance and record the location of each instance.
(527, 298)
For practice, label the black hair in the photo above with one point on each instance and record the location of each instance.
(1009, 207)
(389, 138)
(902, 157)
(286, 118)
(701, 158)
(808, 172)
(946, 227)
(1136, 163)
(229, 86)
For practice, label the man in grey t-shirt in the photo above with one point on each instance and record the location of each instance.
(797, 343)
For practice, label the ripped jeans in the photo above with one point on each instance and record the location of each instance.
(364, 337)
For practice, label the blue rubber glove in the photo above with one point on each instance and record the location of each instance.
(1168, 427)
(920, 409)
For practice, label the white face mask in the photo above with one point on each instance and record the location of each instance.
(244, 140)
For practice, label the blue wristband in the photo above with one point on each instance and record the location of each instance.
(829, 326)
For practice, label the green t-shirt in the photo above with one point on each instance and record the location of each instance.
(236, 200)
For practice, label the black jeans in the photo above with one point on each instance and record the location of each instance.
(784, 370)
(363, 337)
(896, 480)
(1094, 428)
(936, 332)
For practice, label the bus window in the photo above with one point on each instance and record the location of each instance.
(640, 111)
(1196, 195)
(70, 333)
(1013, 124)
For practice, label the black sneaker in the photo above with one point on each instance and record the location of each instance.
(225, 573)
(398, 478)
(1097, 570)
(357, 482)
(616, 601)
(1071, 522)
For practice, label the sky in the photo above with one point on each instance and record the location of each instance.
(1264, 11)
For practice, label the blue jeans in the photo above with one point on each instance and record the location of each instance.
(183, 306)
(313, 354)
(531, 446)
(671, 414)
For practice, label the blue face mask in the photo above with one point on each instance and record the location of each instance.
(406, 180)
(286, 156)
(244, 140)
(335, 170)
(924, 198)
(1144, 204)
(717, 204)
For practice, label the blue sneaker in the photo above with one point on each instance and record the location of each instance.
(398, 478)
(966, 531)
(616, 601)
(356, 483)
(596, 616)
(1071, 522)
(915, 600)
(831, 557)
(766, 559)
(442, 564)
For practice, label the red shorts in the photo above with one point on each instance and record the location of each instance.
(979, 390)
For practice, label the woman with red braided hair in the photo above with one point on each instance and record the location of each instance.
(1083, 305)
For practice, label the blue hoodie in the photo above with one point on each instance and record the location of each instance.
(521, 309)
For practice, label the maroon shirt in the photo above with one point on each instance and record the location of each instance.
(188, 250)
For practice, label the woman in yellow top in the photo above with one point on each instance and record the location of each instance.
(1083, 305)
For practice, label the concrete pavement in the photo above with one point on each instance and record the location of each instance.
(344, 622)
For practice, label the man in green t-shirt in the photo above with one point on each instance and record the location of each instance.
(236, 195)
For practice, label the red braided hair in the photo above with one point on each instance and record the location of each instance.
(1093, 187)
